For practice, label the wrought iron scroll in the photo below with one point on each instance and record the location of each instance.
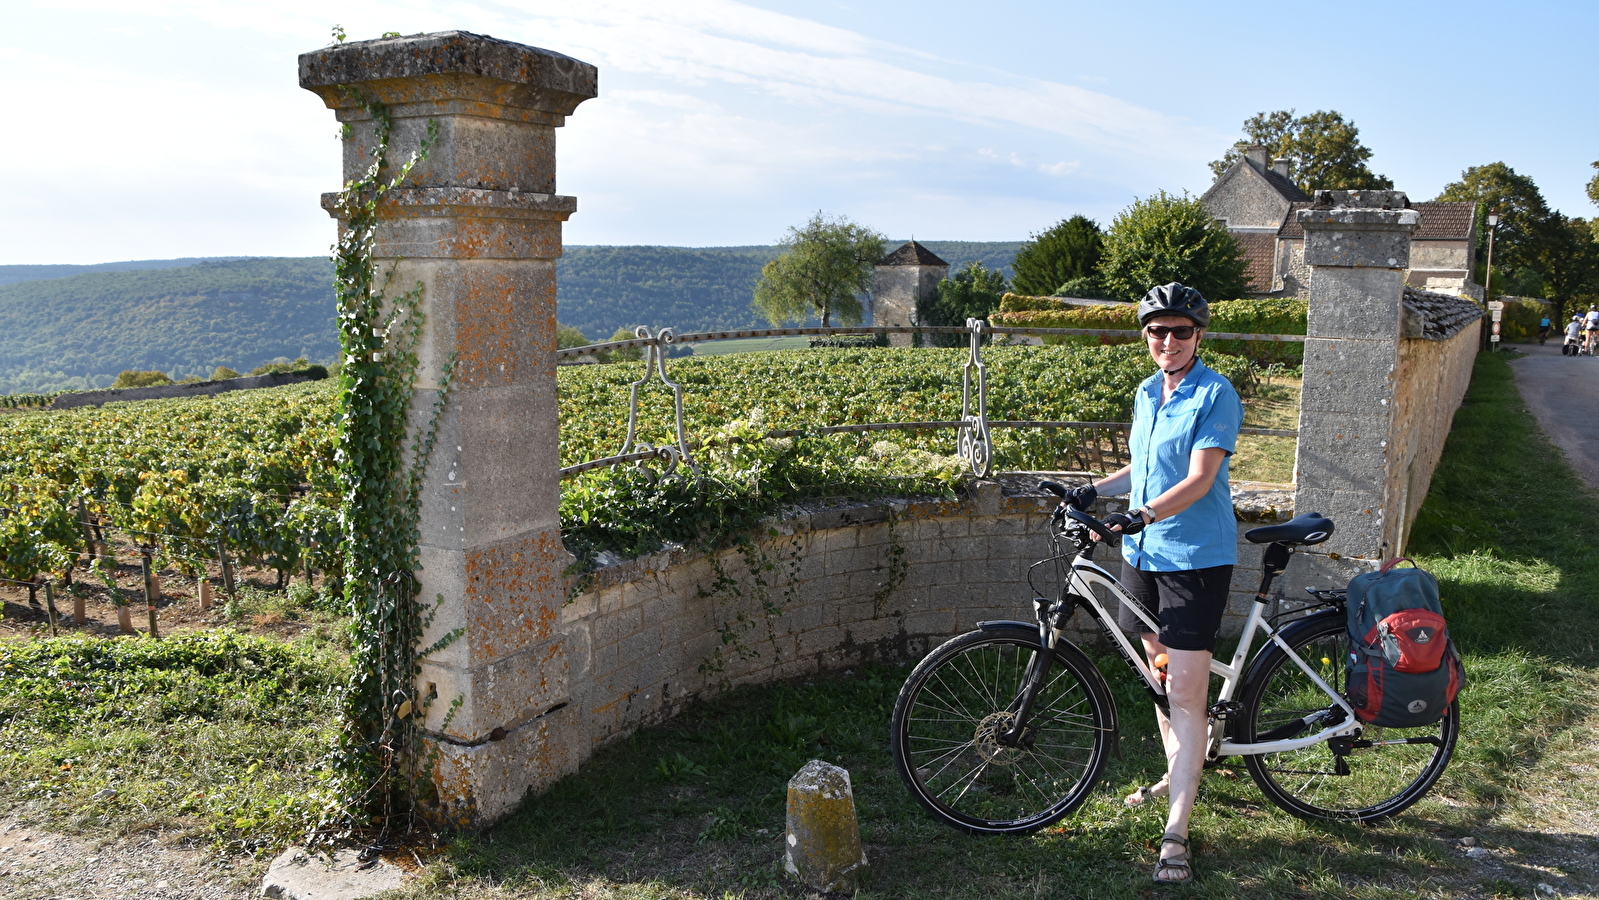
(654, 346)
(975, 445)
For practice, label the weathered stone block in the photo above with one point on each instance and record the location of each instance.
(1361, 304)
(823, 844)
(1342, 452)
(502, 694)
(1377, 238)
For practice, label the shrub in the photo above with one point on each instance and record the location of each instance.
(1245, 316)
(972, 293)
(1024, 303)
(1168, 238)
(1520, 320)
(132, 378)
(223, 373)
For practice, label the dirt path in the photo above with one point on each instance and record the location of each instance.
(1563, 393)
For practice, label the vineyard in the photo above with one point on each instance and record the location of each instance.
(249, 476)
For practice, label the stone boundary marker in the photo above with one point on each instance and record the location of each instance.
(823, 845)
(165, 391)
(299, 875)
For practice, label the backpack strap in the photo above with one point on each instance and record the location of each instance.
(1396, 561)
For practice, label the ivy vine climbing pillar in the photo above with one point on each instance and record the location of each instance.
(477, 224)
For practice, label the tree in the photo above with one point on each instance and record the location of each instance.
(972, 293)
(1593, 187)
(1568, 260)
(1326, 150)
(822, 269)
(130, 378)
(1168, 238)
(567, 337)
(223, 373)
(1524, 217)
(1066, 252)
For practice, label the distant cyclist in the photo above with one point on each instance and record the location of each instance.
(1543, 328)
(1573, 344)
(1591, 325)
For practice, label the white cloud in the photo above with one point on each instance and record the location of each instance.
(716, 122)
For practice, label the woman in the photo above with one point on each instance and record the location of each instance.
(1181, 539)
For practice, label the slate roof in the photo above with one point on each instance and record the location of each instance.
(1259, 252)
(1441, 316)
(1283, 185)
(912, 254)
(1440, 221)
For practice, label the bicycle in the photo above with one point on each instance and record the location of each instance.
(1007, 729)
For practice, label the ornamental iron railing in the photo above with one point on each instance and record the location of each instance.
(1100, 446)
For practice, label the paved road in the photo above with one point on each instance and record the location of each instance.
(1563, 392)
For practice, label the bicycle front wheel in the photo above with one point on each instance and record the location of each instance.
(948, 733)
(1379, 773)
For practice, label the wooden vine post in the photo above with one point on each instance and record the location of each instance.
(478, 225)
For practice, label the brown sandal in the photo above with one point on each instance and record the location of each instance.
(1179, 861)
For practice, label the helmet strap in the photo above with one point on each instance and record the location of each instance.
(1184, 367)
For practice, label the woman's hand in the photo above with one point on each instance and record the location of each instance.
(1122, 523)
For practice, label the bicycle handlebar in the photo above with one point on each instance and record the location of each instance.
(1108, 537)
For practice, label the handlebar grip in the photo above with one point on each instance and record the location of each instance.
(1108, 537)
(1054, 487)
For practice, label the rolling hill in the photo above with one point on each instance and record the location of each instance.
(76, 327)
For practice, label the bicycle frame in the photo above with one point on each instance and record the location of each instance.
(1085, 574)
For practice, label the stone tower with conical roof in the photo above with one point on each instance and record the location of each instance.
(903, 277)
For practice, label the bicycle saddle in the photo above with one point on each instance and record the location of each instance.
(1307, 529)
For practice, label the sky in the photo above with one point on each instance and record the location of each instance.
(176, 128)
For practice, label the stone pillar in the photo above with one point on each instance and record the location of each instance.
(1357, 245)
(478, 224)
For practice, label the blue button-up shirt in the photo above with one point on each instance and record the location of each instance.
(1204, 411)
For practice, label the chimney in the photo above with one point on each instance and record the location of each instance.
(1256, 154)
(1283, 166)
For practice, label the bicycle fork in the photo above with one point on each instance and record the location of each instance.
(1021, 709)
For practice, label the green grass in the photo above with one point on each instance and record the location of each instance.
(751, 345)
(695, 808)
(216, 735)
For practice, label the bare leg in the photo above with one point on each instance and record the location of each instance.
(1187, 689)
(1153, 648)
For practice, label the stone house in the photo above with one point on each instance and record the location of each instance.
(1258, 201)
(910, 273)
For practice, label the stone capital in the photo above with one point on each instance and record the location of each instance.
(491, 105)
(450, 71)
(1359, 237)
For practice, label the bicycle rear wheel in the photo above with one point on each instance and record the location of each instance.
(1381, 772)
(951, 713)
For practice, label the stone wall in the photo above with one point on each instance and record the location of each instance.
(847, 584)
(168, 391)
(1432, 380)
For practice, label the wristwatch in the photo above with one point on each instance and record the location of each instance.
(1147, 513)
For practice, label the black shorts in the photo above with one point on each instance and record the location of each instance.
(1187, 604)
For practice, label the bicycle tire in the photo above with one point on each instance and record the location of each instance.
(955, 701)
(1375, 782)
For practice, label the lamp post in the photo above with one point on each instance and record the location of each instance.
(1488, 280)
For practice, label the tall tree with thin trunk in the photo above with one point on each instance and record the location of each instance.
(824, 268)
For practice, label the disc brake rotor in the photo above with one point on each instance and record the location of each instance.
(987, 739)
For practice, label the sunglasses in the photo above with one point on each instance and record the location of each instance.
(1180, 332)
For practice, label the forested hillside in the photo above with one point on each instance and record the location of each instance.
(82, 330)
(62, 330)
